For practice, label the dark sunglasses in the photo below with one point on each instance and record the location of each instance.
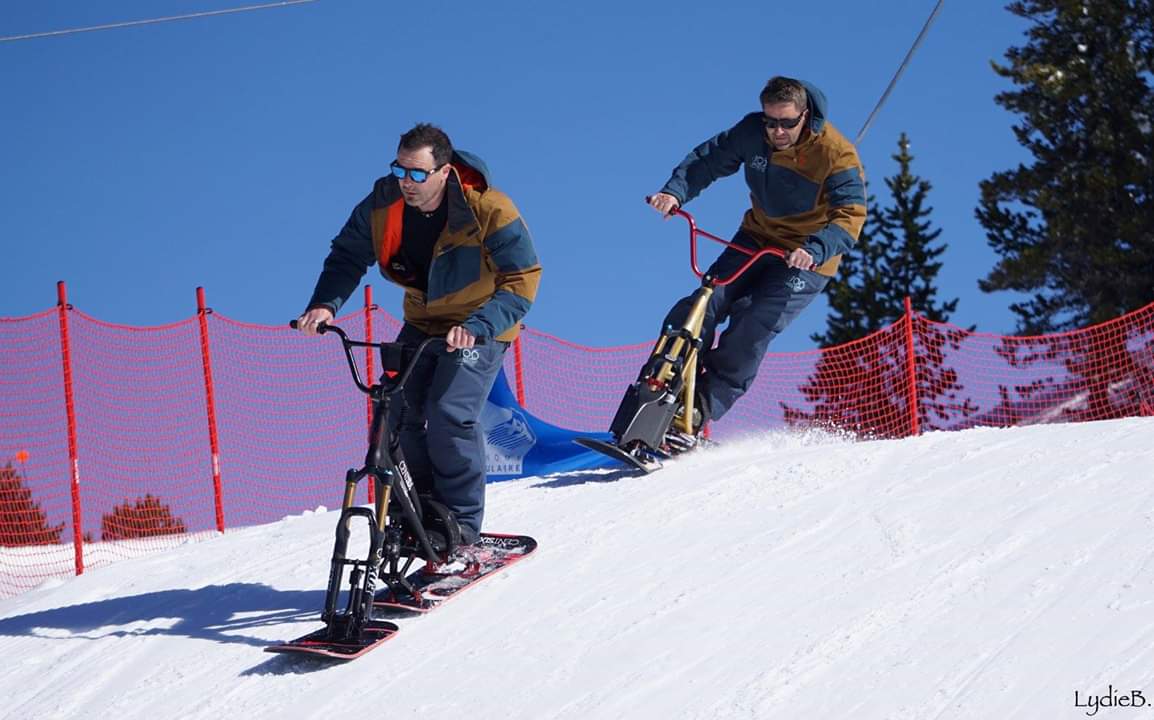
(417, 175)
(787, 123)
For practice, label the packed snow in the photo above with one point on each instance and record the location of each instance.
(989, 573)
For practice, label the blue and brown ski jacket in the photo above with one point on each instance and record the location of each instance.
(484, 272)
(809, 196)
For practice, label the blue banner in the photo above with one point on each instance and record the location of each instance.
(518, 444)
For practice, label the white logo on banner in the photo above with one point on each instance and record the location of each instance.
(508, 439)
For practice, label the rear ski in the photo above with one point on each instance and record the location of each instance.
(422, 591)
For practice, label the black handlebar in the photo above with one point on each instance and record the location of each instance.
(385, 349)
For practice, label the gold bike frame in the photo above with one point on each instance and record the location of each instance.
(694, 322)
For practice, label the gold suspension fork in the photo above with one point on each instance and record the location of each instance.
(350, 494)
(693, 325)
(382, 504)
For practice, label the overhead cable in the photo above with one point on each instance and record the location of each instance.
(901, 68)
(153, 21)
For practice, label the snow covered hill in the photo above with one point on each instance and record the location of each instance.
(977, 574)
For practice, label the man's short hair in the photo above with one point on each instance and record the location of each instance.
(424, 135)
(781, 89)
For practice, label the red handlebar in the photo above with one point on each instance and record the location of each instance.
(754, 255)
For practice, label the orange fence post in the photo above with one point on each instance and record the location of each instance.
(369, 367)
(519, 370)
(70, 409)
(210, 401)
(911, 363)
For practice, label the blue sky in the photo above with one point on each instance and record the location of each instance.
(139, 163)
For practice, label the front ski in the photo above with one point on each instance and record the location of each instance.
(640, 461)
(320, 643)
(430, 590)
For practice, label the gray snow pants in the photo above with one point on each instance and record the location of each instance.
(440, 429)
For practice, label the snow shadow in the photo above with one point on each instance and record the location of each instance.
(581, 477)
(220, 613)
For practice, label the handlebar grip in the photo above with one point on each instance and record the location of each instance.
(675, 210)
(322, 328)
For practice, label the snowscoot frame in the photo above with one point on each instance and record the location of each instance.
(670, 374)
(397, 508)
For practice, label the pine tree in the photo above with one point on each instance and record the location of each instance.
(146, 518)
(895, 257)
(906, 233)
(1076, 228)
(22, 522)
(863, 387)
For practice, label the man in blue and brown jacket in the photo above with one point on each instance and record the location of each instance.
(465, 259)
(807, 192)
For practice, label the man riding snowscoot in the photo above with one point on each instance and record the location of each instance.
(808, 206)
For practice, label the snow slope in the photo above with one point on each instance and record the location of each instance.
(977, 574)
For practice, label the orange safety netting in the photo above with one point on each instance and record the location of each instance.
(288, 419)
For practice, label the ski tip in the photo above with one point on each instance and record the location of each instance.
(316, 644)
(612, 451)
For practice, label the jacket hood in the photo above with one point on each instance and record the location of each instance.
(817, 106)
(472, 170)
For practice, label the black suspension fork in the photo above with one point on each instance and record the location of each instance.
(385, 464)
(363, 574)
(348, 623)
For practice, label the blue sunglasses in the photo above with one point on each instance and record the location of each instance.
(417, 175)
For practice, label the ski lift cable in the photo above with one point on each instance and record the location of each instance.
(153, 21)
(901, 68)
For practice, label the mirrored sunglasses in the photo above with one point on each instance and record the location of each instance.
(417, 175)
